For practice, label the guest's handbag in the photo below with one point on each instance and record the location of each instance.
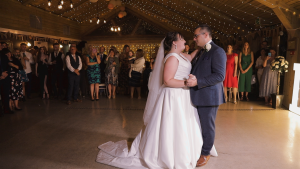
(253, 79)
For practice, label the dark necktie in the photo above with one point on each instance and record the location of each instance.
(197, 57)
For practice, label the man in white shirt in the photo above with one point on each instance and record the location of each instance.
(56, 59)
(28, 60)
(74, 65)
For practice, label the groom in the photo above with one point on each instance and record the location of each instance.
(206, 85)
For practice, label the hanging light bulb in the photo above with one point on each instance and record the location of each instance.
(115, 29)
(119, 28)
(112, 29)
(91, 20)
(49, 3)
(71, 5)
(59, 6)
(62, 2)
(98, 20)
(104, 21)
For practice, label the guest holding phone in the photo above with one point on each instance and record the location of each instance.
(268, 79)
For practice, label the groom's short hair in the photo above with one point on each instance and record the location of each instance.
(205, 27)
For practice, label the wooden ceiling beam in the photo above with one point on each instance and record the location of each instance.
(68, 8)
(26, 2)
(88, 28)
(136, 27)
(186, 18)
(145, 17)
(287, 18)
(217, 14)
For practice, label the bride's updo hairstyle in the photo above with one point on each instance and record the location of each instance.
(170, 37)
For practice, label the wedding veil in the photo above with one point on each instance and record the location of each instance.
(155, 83)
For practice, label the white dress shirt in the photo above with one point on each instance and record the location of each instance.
(27, 62)
(68, 63)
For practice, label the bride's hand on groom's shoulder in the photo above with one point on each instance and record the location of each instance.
(192, 81)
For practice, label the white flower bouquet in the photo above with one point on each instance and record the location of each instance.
(279, 64)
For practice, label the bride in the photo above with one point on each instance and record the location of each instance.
(171, 136)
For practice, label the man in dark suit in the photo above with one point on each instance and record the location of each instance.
(206, 86)
(102, 64)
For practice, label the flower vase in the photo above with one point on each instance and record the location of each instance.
(278, 83)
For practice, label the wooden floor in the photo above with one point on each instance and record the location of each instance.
(50, 134)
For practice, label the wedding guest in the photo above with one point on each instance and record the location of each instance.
(124, 70)
(4, 45)
(28, 61)
(74, 65)
(268, 79)
(236, 49)
(93, 72)
(15, 91)
(56, 59)
(131, 57)
(84, 83)
(102, 64)
(135, 73)
(4, 82)
(245, 64)
(186, 49)
(41, 67)
(259, 64)
(231, 80)
(263, 45)
(153, 57)
(111, 73)
(192, 47)
(22, 72)
(146, 75)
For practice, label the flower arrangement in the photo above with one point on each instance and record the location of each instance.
(279, 64)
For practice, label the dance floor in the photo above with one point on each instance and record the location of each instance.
(52, 135)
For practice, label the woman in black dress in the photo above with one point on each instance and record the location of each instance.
(16, 90)
(42, 71)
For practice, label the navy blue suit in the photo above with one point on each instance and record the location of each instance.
(209, 70)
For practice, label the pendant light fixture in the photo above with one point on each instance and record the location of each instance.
(62, 2)
(98, 20)
(71, 4)
(49, 2)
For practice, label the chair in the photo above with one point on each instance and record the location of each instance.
(102, 86)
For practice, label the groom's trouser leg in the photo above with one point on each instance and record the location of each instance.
(207, 119)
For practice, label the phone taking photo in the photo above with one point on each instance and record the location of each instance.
(269, 54)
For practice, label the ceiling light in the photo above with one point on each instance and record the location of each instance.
(98, 20)
(49, 3)
(91, 20)
(62, 2)
(71, 5)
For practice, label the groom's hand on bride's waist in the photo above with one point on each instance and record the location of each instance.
(192, 81)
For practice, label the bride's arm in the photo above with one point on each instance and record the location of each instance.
(170, 69)
(191, 56)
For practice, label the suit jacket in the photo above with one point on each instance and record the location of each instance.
(102, 64)
(209, 70)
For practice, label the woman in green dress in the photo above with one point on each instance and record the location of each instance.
(246, 61)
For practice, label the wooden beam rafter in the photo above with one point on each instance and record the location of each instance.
(287, 19)
(136, 27)
(68, 8)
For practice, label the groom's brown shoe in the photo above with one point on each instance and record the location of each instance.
(202, 160)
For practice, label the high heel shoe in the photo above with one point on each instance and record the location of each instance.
(234, 102)
(47, 96)
(247, 99)
(114, 96)
(108, 96)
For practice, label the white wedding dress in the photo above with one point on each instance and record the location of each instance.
(172, 137)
